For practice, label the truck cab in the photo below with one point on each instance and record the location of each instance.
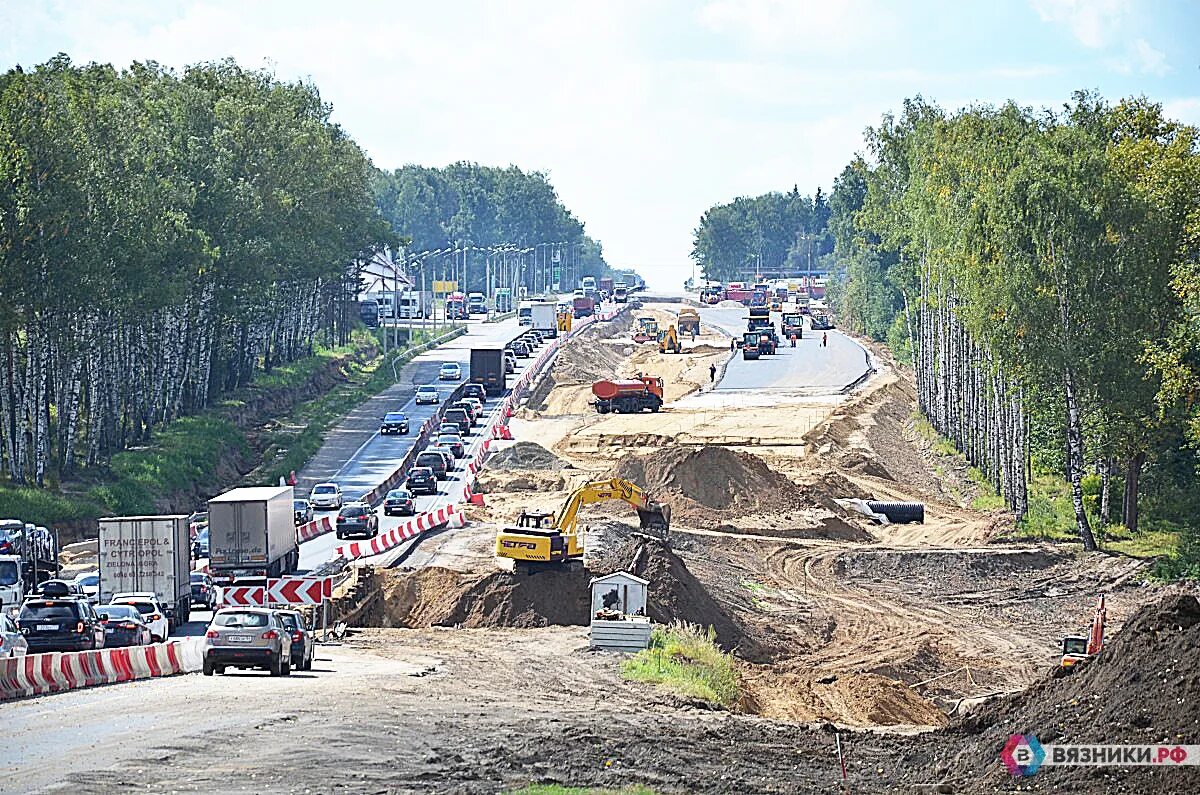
(793, 323)
(476, 304)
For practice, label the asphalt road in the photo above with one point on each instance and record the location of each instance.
(808, 366)
(378, 456)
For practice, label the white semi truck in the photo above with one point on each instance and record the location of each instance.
(545, 317)
(252, 532)
(148, 554)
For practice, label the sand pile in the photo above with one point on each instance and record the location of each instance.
(706, 486)
(526, 455)
(860, 699)
(1143, 688)
(435, 596)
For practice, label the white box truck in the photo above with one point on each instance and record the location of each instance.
(545, 317)
(252, 533)
(415, 304)
(148, 554)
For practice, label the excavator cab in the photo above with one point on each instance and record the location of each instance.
(536, 520)
(668, 341)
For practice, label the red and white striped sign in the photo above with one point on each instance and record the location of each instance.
(299, 590)
(242, 596)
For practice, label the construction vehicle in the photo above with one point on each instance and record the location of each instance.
(564, 321)
(628, 396)
(668, 341)
(776, 305)
(821, 320)
(793, 323)
(750, 345)
(689, 321)
(760, 317)
(543, 540)
(1078, 649)
(647, 330)
(768, 340)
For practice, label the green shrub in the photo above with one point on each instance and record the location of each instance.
(685, 658)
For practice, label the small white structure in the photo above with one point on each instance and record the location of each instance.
(621, 598)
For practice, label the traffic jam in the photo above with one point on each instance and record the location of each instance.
(226, 581)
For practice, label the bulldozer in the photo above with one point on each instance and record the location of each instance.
(668, 341)
(1078, 649)
(543, 540)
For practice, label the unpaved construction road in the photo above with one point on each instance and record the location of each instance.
(466, 679)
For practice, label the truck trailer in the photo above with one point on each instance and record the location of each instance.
(545, 318)
(251, 532)
(628, 396)
(487, 369)
(148, 554)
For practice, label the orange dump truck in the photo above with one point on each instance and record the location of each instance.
(628, 396)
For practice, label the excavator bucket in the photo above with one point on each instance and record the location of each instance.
(655, 520)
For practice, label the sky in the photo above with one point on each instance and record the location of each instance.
(643, 112)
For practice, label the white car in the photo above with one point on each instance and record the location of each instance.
(427, 394)
(325, 496)
(89, 581)
(450, 372)
(147, 604)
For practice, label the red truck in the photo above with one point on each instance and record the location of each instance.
(606, 285)
(582, 306)
(628, 396)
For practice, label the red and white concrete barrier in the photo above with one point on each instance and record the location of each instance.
(313, 529)
(446, 515)
(53, 672)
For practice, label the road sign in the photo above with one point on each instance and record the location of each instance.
(443, 287)
(299, 590)
(242, 595)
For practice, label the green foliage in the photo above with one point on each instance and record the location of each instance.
(766, 233)
(685, 659)
(481, 206)
(45, 507)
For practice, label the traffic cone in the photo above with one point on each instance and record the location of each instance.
(505, 433)
(476, 499)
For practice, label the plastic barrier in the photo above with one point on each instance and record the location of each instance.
(35, 674)
(398, 535)
(313, 529)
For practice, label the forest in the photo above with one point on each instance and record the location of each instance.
(476, 209)
(163, 237)
(1039, 270)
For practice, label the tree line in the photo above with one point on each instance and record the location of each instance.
(1040, 271)
(771, 233)
(472, 208)
(163, 236)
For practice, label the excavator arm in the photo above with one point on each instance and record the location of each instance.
(537, 540)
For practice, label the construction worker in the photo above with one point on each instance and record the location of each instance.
(732, 345)
(824, 339)
(712, 373)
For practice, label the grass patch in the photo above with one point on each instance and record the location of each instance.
(685, 659)
(986, 499)
(44, 507)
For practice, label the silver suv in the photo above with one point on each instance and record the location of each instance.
(248, 637)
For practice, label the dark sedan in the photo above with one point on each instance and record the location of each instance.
(302, 512)
(399, 501)
(394, 422)
(123, 626)
(421, 480)
(357, 518)
(204, 591)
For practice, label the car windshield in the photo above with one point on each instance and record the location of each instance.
(90, 581)
(237, 620)
(449, 366)
(449, 440)
(202, 535)
(117, 611)
(421, 472)
(399, 494)
(198, 577)
(355, 511)
(145, 608)
(46, 610)
(393, 416)
(9, 572)
(299, 505)
(427, 389)
(325, 490)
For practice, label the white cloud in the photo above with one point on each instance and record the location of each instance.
(797, 24)
(1185, 109)
(1150, 61)
(1092, 22)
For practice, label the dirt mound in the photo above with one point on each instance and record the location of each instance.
(435, 596)
(526, 455)
(1143, 688)
(706, 486)
(862, 699)
(440, 597)
(491, 481)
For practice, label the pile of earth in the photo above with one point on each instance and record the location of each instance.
(592, 354)
(435, 596)
(851, 699)
(526, 455)
(710, 485)
(1142, 689)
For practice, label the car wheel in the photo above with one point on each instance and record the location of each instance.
(219, 669)
(339, 535)
(208, 669)
(285, 669)
(308, 662)
(276, 667)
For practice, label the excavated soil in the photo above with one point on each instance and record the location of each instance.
(1143, 688)
(525, 455)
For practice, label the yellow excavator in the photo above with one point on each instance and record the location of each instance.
(545, 540)
(668, 341)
